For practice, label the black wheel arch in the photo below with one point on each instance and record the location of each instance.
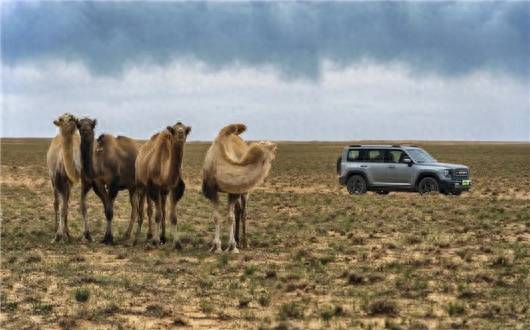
(426, 174)
(354, 172)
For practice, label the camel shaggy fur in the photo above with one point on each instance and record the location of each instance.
(108, 166)
(64, 168)
(159, 173)
(234, 167)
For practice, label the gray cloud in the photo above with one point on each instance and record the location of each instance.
(445, 38)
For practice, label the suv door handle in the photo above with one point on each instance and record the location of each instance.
(391, 166)
(364, 166)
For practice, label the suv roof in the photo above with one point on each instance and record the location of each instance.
(379, 146)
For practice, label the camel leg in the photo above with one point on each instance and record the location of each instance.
(158, 215)
(216, 244)
(140, 196)
(243, 217)
(237, 214)
(109, 213)
(85, 188)
(149, 219)
(176, 195)
(232, 244)
(62, 232)
(163, 199)
(132, 201)
(56, 199)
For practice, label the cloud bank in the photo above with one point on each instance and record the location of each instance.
(295, 39)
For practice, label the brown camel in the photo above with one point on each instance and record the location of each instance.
(159, 173)
(107, 167)
(234, 167)
(64, 167)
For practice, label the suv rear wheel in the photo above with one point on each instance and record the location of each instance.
(427, 185)
(356, 185)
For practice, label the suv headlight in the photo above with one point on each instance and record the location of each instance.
(447, 173)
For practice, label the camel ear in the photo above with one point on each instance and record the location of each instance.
(171, 130)
(94, 123)
(188, 130)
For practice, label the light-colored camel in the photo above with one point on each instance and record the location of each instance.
(108, 166)
(64, 167)
(159, 173)
(234, 167)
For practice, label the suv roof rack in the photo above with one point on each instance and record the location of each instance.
(396, 146)
(354, 145)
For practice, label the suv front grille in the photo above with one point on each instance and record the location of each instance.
(461, 174)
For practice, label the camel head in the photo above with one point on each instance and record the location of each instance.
(86, 128)
(177, 133)
(67, 124)
(270, 147)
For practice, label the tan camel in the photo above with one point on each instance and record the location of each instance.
(107, 167)
(234, 167)
(159, 173)
(64, 167)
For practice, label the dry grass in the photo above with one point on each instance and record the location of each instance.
(319, 258)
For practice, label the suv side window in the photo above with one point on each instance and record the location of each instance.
(395, 156)
(374, 156)
(354, 155)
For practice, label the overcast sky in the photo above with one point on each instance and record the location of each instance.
(290, 71)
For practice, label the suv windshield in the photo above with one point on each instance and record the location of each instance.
(420, 156)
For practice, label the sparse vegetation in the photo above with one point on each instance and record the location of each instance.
(82, 295)
(319, 258)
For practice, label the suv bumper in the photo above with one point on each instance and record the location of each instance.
(455, 185)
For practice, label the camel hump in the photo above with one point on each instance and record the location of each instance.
(233, 129)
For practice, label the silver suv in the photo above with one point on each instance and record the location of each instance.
(385, 168)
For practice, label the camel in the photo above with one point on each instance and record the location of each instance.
(234, 167)
(159, 173)
(64, 167)
(108, 166)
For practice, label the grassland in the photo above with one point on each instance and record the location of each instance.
(319, 258)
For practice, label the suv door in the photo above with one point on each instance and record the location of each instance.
(398, 172)
(374, 166)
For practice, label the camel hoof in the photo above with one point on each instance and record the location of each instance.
(232, 247)
(108, 239)
(177, 245)
(155, 242)
(216, 248)
(244, 244)
(149, 236)
(162, 240)
(57, 238)
(87, 237)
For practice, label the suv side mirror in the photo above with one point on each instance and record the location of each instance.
(408, 161)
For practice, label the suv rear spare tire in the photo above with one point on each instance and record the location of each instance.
(428, 185)
(356, 185)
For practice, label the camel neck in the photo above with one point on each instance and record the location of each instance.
(87, 151)
(176, 151)
(68, 154)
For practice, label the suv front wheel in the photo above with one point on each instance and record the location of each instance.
(427, 185)
(356, 185)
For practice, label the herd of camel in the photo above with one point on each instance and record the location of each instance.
(152, 173)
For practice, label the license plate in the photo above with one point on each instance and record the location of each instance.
(466, 182)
